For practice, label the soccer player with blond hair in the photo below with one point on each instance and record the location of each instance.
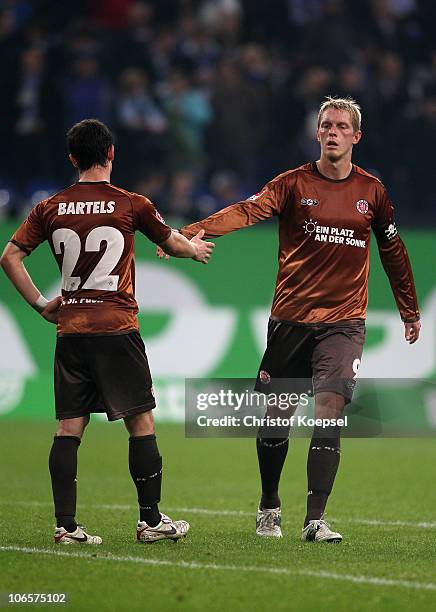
(326, 211)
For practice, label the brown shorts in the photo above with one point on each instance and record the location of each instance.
(327, 354)
(102, 374)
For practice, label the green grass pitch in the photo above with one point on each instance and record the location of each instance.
(384, 504)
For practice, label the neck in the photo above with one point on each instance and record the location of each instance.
(336, 170)
(96, 173)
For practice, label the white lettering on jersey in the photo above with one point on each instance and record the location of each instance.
(100, 278)
(86, 208)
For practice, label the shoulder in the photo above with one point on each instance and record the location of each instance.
(289, 177)
(55, 197)
(370, 179)
(135, 198)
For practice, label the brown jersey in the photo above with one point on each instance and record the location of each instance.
(90, 227)
(324, 233)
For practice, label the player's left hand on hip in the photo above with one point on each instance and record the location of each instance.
(411, 331)
(51, 311)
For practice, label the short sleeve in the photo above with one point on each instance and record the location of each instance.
(148, 220)
(31, 232)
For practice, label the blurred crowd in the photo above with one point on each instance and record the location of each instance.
(208, 99)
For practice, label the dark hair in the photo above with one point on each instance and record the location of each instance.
(88, 142)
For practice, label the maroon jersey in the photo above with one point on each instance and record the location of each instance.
(90, 227)
(324, 233)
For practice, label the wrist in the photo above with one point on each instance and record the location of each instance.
(412, 320)
(40, 304)
(194, 251)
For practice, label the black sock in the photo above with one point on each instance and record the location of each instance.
(271, 454)
(322, 465)
(63, 471)
(145, 465)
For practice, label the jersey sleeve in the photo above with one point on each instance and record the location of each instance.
(148, 220)
(269, 202)
(394, 257)
(31, 232)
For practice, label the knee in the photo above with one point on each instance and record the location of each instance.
(72, 427)
(329, 405)
(140, 424)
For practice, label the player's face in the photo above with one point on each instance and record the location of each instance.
(336, 134)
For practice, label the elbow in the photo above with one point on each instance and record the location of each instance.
(8, 260)
(4, 260)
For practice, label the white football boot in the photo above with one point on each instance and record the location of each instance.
(167, 529)
(79, 536)
(319, 531)
(268, 522)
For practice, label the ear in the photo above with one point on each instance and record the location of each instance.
(111, 153)
(357, 136)
(317, 135)
(73, 161)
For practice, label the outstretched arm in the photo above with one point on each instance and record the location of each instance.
(196, 248)
(12, 263)
(395, 260)
(263, 205)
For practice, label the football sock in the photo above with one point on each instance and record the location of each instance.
(145, 465)
(63, 471)
(271, 454)
(322, 465)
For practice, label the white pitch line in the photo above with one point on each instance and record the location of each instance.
(134, 507)
(420, 525)
(210, 512)
(373, 580)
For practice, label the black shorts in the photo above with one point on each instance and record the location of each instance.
(328, 354)
(102, 374)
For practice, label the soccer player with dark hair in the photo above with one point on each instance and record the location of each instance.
(326, 211)
(100, 361)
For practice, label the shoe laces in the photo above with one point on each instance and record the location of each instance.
(165, 519)
(270, 518)
(320, 524)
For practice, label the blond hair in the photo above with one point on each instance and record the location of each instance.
(345, 104)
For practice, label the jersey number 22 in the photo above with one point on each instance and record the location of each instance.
(100, 278)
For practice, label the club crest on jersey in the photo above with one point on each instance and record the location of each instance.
(309, 202)
(256, 195)
(265, 378)
(362, 206)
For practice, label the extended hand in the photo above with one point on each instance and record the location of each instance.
(411, 331)
(51, 311)
(203, 249)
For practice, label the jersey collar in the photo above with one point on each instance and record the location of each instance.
(90, 182)
(326, 178)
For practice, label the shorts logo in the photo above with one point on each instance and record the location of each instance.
(309, 202)
(391, 231)
(265, 378)
(256, 195)
(355, 367)
(362, 206)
